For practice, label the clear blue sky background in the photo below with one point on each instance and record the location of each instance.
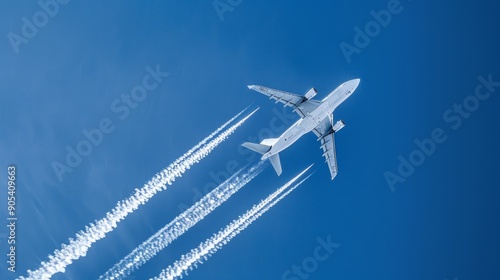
(442, 222)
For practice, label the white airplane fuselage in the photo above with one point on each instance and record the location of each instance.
(314, 118)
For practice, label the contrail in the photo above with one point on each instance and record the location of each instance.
(161, 239)
(206, 249)
(79, 246)
(208, 138)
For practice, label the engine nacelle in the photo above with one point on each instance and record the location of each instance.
(338, 126)
(311, 93)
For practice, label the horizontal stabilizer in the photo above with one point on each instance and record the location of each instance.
(269, 142)
(259, 148)
(275, 161)
(263, 148)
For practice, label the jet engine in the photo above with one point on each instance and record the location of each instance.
(311, 93)
(338, 126)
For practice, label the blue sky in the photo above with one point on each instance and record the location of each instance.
(440, 223)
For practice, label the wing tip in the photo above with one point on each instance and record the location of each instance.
(334, 174)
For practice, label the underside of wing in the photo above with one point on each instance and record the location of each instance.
(288, 99)
(306, 107)
(324, 127)
(300, 104)
(328, 146)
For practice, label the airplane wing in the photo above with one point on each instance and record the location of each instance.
(328, 146)
(324, 127)
(300, 104)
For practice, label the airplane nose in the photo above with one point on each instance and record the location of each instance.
(355, 83)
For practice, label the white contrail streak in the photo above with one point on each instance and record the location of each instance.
(206, 249)
(208, 138)
(79, 246)
(161, 239)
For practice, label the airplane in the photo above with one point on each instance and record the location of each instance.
(315, 116)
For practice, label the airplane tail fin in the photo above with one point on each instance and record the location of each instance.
(263, 148)
(275, 161)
